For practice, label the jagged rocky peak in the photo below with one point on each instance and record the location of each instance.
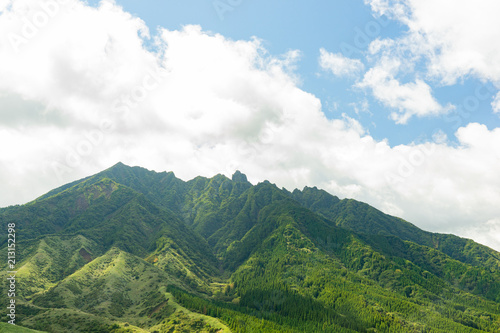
(239, 177)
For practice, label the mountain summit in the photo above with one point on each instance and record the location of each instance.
(239, 177)
(133, 250)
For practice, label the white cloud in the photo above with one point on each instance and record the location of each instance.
(339, 65)
(487, 233)
(361, 107)
(413, 98)
(439, 136)
(495, 105)
(447, 178)
(90, 96)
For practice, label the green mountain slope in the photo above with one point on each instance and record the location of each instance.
(132, 250)
(363, 218)
(51, 259)
(117, 286)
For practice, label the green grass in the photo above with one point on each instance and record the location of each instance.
(8, 328)
(184, 320)
(74, 321)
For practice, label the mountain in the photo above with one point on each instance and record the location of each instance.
(132, 250)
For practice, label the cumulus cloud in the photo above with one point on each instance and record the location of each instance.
(339, 65)
(409, 99)
(86, 96)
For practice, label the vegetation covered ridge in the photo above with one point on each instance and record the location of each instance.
(133, 250)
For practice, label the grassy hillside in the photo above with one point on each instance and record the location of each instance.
(50, 259)
(113, 291)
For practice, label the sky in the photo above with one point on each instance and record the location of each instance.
(392, 102)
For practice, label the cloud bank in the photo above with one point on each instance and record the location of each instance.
(77, 97)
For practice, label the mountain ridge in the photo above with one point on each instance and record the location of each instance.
(230, 255)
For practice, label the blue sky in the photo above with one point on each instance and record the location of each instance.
(392, 102)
